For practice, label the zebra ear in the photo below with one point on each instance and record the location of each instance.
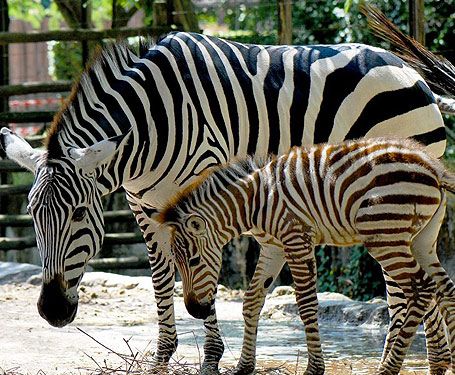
(90, 158)
(196, 225)
(19, 150)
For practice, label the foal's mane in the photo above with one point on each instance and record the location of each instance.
(233, 170)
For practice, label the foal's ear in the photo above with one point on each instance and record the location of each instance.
(196, 225)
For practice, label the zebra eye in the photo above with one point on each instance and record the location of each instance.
(195, 261)
(79, 213)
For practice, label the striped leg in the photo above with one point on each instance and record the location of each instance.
(270, 263)
(302, 263)
(437, 349)
(398, 262)
(425, 252)
(396, 304)
(163, 277)
(213, 345)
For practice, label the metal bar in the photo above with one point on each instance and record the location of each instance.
(14, 189)
(80, 34)
(119, 263)
(34, 88)
(21, 243)
(22, 220)
(23, 117)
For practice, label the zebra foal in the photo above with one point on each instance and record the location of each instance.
(384, 193)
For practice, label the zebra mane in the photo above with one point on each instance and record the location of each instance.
(233, 171)
(109, 59)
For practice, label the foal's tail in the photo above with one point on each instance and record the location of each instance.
(437, 71)
(447, 181)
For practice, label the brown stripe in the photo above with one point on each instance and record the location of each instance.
(385, 231)
(388, 216)
(373, 244)
(400, 199)
(385, 180)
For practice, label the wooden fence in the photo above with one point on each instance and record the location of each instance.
(7, 167)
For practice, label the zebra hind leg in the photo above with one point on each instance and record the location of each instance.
(396, 303)
(424, 247)
(418, 288)
(270, 263)
(438, 352)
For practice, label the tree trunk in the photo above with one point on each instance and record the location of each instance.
(4, 107)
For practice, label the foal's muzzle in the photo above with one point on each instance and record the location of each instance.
(197, 309)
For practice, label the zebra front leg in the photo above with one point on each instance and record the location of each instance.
(270, 263)
(163, 278)
(213, 345)
(302, 263)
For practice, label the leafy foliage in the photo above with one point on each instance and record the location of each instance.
(360, 277)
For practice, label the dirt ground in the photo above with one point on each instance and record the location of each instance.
(118, 317)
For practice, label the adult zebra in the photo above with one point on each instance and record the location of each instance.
(384, 193)
(193, 101)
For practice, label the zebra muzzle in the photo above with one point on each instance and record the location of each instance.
(197, 309)
(54, 306)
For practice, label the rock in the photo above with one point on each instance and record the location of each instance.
(111, 280)
(178, 289)
(11, 272)
(282, 291)
(333, 307)
(35, 279)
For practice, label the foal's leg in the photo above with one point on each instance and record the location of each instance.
(302, 262)
(445, 293)
(213, 345)
(425, 243)
(437, 349)
(269, 265)
(398, 262)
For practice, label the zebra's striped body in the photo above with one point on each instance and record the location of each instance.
(382, 193)
(191, 102)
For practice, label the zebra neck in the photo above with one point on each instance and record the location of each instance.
(231, 203)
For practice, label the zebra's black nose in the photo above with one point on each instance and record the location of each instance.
(197, 309)
(54, 306)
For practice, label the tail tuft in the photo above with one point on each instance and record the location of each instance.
(437, 70)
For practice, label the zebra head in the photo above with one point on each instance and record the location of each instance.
(197, 253)
(65, 203)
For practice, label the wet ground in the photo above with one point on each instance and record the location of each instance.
(119, 316)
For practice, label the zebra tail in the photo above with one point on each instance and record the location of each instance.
(447, 181)
(436, 70)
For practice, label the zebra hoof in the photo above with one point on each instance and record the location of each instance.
(320, 370)
(438, 371)
(243, 370)
(209, 369)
